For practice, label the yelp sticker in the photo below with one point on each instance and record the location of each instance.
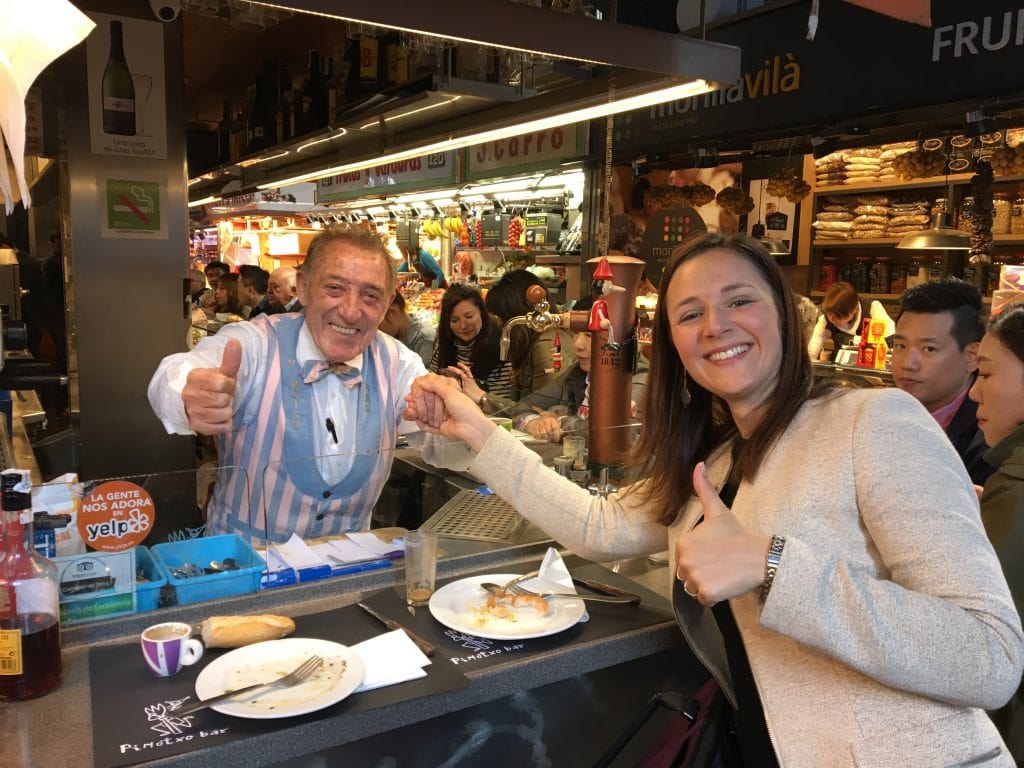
(116, 516)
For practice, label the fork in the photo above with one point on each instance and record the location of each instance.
(515, 588)
(512, 582)
(296, 676)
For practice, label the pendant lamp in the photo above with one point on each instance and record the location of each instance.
(940, 236)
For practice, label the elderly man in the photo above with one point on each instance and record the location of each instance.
(935, 359)
(282, 290)
(283, 388)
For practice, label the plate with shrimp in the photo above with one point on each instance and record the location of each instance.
(467, 607)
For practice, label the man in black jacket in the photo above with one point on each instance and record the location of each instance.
(935, 359)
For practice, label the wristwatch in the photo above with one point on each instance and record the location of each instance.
(772, 564)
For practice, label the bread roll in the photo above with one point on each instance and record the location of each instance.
(236, 631)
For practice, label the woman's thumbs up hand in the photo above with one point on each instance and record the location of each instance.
(720, 558)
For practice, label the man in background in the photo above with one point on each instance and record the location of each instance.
(416, 335)
(935, 359)
(281, 291)
(252, 290)
(197, 287)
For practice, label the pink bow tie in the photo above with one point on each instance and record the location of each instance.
(314, 370)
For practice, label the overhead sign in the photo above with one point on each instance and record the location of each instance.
(972, 51)
(535, 151)
(34, 123)
(413, 175)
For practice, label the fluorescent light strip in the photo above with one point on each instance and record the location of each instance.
(332, 137)
(204, 201)
(504, 47)
(400, 115)
(257, 160)
(640, 101)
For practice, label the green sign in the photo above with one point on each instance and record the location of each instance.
(133, 207)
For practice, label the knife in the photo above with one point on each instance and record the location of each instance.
(424, 645)
(608, 589)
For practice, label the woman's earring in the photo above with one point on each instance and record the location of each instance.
(684, 392)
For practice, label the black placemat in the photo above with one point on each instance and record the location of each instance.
(133, 711)
(468, 652)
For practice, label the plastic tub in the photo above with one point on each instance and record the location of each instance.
(200, 552)
(147, 593)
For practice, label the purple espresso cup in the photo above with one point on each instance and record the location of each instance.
(168, 647)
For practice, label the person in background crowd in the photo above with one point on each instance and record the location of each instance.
(267, 389)
(282, 293)
(935, 359)
(426, 266)
(569, 416)
(253, 290)
(999, 393)
(213, 271)
(868, 623)
(198, 292)
(841, 314)
(468, 338)
(33, 299)
(535, 381)
(226, 295)
(415, 334)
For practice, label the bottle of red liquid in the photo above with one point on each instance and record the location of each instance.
(30, 663)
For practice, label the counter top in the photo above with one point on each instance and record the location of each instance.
(56, 730)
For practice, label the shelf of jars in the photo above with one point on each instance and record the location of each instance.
(892, 242)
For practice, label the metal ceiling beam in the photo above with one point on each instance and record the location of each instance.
(502, 24)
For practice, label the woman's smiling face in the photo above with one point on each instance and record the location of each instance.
(726, 330)
(466, 321)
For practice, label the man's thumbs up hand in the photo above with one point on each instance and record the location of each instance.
(209, 392)
(720, 558)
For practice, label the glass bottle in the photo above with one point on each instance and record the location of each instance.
(1017, 215)
(1001, 213)
(30, 663)
(965, 221)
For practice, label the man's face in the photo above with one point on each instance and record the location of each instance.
(247, 295)
(279, 290)
(213, 277)
(391, 324)
(926, 360)
(345, 297)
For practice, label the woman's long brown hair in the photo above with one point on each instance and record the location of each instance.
(675, 438)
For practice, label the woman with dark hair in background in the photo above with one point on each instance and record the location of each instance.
(530, 354)
(999, 393)
(226, 296)
(467, 347)
(839, 638)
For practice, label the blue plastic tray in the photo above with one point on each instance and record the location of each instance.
(200, 552)
(147, 593)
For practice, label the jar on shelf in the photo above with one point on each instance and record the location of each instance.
(941, 205)
(935, 270)
(1002, 211)
(917, 272)
(829, 273)
(860, 274)
(965, 221)
(993, 277)
(898, 279)
(878, 278)
(1017, 215)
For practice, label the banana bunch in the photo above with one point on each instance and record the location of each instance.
(446, 227)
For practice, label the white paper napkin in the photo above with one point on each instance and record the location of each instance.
(390, 658)
(552, 568)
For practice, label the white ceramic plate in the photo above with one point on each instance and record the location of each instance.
(462, 606)
(341, 674)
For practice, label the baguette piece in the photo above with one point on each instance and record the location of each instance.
(236, 631)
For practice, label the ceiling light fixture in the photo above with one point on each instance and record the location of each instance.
(338, 132)
(940, 236)
(400, 115)
(203, 201)
(257, 160)
(584, 114)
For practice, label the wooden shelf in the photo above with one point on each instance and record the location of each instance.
(891, 242)
(927, 181)
(869, 296)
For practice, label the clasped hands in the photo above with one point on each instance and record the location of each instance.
(720, 558)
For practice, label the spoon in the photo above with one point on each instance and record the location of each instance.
(498, 589)
(216, 566)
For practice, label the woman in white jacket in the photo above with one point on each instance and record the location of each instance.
(847, 599)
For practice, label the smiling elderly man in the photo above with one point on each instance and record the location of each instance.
(273, 392)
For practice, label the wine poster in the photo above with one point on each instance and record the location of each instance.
(127, 104)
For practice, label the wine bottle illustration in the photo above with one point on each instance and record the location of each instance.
(118, 88)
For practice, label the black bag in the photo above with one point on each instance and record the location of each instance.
(696, 737)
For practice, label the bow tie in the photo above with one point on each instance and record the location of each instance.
(314, 370)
